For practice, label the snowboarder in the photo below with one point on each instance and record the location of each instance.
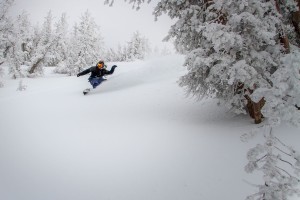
(97, 73)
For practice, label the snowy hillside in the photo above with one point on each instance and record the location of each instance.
(136, 137)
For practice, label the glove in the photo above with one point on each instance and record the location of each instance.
(114, 66)
(78, 75)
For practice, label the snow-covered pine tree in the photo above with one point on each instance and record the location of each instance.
(6, 28)
(137, 47)
(232, 47)
(5, 31)
(111, 55)
(21, 45)
(43, 43)
(89, 45)
(284, 96)
(61, 51)
(73, 50)
(122, 53)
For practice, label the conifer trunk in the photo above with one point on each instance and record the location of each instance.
(35, 65)
(254, 109)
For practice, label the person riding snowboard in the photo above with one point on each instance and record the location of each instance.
(97, 73)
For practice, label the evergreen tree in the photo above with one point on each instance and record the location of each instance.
(44, 41)
(61, 52)
(6, 29)
(88, 44)
(74, 51)
(137, 47)
(111, 56)
(124, 55)
(284, 96)
(121, 53)
(21, 45)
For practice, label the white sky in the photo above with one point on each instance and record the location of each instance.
(117, 23)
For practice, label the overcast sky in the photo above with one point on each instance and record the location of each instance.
(117, 23)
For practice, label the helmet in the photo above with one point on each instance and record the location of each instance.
(100, 64)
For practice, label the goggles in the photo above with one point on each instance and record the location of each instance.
(100, 65)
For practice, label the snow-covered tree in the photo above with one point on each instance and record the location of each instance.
(137, 47)
(88, 44)
(284, 96)
(61, 51)
(21, 45)
(44, 40)
(232, 47)
(74, 50)
(6, 29)
(111, 55)
(280, 165)
(121, 53)
(165, 51)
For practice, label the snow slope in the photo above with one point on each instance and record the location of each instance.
(136, 137)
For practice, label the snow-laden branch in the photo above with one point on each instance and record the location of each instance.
(280, 180)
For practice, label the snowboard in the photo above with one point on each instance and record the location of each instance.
(86, 91)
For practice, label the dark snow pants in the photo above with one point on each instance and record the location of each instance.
(96, 81)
